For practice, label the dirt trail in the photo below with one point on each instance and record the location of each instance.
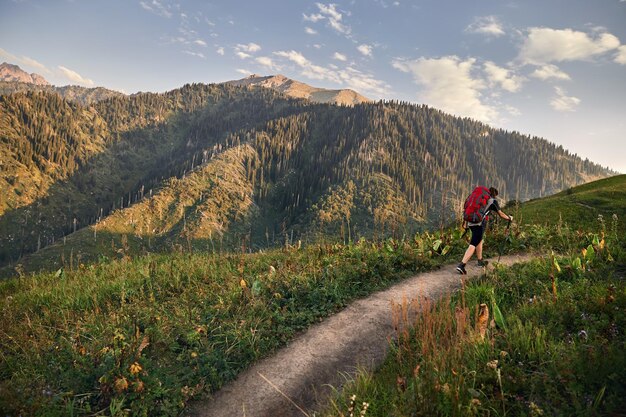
(304, 370)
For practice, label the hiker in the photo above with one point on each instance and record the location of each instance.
(478, 205)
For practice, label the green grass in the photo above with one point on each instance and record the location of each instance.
(72, 339)
(580, 206)
(555, 345)
(143, 335)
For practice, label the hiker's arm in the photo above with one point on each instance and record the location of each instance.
(504, 216)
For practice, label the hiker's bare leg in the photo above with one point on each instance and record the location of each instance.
(468, 253)
(479, 250)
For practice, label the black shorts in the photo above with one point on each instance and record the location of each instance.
(477, 234)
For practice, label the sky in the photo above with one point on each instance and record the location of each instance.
(549, 68)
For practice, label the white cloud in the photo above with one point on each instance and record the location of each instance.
(503, 77)
(74, 76)
(310, 31)
(447, 83)
(200, 42)
(313, 17)
(156, 7)
(365, 49)
(513, 111)
(244, 71)
(268, 63)
(330, 12)
(363, 83)
(197, 54)
(340, 57)
(294, 56)
(562, 102)
(548, 71)
(317, 46)
(250, 47)
(620, 58)
(488, 25)
(220, 50)
(24, 60)
(545, 45)
(244, 51)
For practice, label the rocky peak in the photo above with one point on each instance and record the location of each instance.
(297, 89)
(13, 73)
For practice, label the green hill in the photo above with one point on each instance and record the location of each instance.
(580, 206)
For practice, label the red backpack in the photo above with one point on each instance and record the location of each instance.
(476, 205)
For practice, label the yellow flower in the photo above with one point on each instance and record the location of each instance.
(135, 368)
(194, 355)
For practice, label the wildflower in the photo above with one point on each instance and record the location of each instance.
(535, 410)
(135, 368)
(194, 355)
(121, 384)
(445, 388)
(492, 364)
(582, 334)
(475, 402)
(503, 354)
(364, 409)
(351, 407)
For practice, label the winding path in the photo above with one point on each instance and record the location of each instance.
(296, 378)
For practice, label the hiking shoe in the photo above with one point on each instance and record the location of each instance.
(482, 263)
(461, 269)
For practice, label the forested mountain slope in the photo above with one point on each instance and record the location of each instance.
(305, 170)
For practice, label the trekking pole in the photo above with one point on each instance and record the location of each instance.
(506, 234)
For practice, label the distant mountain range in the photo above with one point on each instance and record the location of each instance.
(224, 165)
(14, 79)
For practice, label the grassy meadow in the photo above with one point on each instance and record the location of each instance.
(144, 335)
(537, 339)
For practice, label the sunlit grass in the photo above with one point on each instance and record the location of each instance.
(553, 345)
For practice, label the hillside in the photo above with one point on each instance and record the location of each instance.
(542, 338)
(169, 328)
(580, 206)
(296, 89)
(74, 169)
(315, 170)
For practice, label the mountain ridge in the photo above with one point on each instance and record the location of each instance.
(311, 170)
(297, 89)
